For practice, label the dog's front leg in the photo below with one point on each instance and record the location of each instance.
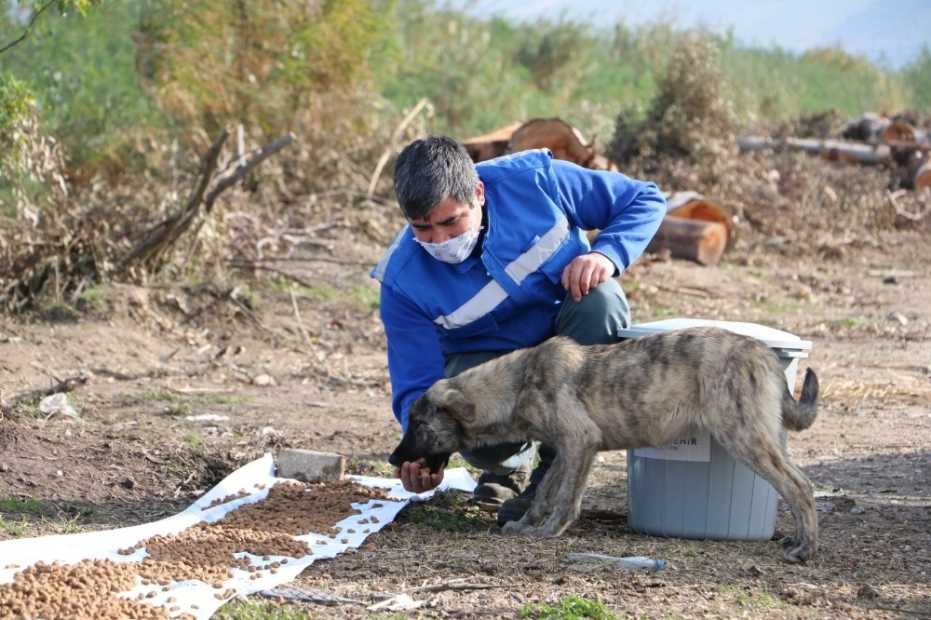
(567, 500)
(540, 506)
(576, 439)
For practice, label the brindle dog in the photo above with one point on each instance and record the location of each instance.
(637, 393)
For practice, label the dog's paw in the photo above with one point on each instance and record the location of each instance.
(801, 552)
(514, 528)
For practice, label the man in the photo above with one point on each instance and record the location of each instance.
(495, 258)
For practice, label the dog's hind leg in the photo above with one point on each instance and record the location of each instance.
(769, 459)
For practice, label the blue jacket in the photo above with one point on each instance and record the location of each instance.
(507, 298)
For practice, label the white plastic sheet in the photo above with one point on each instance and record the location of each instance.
(256, 478)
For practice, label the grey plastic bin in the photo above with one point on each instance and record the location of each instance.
(694, 488)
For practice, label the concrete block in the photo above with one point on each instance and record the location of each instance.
(310, 466)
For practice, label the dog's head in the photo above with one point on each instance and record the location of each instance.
(434, 428)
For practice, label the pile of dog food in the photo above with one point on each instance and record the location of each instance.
(204, 552)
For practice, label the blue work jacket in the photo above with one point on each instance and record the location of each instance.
(506, 296)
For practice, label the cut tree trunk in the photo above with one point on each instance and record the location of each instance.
(866, 128)
(921, 176)
(694, 206)
(490, 145)
(698, 240)
(898, 131)
(834, 150)
(561, 138)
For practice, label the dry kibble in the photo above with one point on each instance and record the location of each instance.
(205, 552)
(222, 500)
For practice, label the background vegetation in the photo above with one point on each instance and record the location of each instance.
(107, 107)
(147, 65)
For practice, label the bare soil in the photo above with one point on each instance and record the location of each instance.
(315, 377)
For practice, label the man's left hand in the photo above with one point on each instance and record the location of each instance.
(585, 272)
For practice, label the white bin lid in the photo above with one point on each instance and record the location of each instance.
(773, 338)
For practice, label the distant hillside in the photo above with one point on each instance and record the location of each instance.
(891, 30)
(897, 30)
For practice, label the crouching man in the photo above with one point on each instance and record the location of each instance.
(495, 258)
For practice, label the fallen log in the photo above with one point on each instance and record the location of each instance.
(898, 131)
(490, 145)
(920, 173)
(865, 128)
(561, 138)
(694, 206)
(701, 241)
(833, 150)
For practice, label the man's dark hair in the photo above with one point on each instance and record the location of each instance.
(429, 171)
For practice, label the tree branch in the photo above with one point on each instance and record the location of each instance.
(28, 28)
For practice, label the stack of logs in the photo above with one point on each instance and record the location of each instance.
(868, 139)
(694, 228)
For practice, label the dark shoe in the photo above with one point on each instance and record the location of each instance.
(493, 490)
(514, 509)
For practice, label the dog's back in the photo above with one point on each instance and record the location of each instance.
(654, 389)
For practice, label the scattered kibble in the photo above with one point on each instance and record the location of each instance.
(203, 552)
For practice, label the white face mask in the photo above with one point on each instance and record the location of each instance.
(453, 250)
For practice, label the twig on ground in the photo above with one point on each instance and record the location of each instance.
(694, 291)
(62, 385)
(297, 315)
(318, 597)
(254, 265)
(311, 259)
(461, 583)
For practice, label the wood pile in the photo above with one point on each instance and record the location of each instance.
(869, 139)
(695, 228)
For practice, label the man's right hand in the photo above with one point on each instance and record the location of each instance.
(417, 478)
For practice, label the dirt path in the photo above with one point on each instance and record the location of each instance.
(159, 358)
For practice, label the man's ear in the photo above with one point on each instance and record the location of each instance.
(458, 406)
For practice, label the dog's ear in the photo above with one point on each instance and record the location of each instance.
(457, 405)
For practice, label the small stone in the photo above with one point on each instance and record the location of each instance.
(754, 571)
(899, 317)
(868, 592)
(127, 483)
(857, 510)
(263, 380)
(4, 467)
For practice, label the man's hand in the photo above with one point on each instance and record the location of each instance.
(585, 272)
(417, 478)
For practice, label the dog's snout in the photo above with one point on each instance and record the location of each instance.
(395, 458)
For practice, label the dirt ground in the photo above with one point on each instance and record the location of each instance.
(303, 365)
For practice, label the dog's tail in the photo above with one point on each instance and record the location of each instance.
(797, 416)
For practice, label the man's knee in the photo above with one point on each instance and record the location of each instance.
(598, 317)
